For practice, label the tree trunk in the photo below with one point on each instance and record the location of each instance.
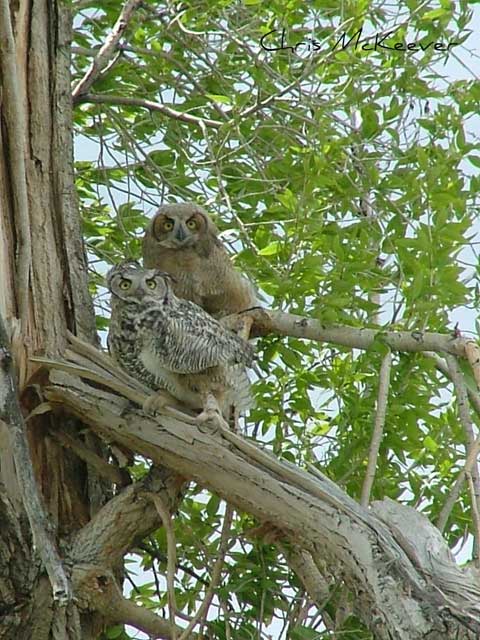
(43, 292)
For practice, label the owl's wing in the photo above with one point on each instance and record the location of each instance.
(189, 340)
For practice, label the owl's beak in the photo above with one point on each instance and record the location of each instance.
(180, 235)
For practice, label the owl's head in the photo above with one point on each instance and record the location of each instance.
(129, 282)
(177, 226)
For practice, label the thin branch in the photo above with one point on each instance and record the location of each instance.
(226, 613)
(216, 574)
(441, 365)
(11, 415)
(238, 221)
(472, 444)
(105, 98)
(476, 521)
(472, 351)
(382, 399)
(107, 51)
(155, 553)
(166, 518)
(286, 324)
(455, 492)
(15, 121)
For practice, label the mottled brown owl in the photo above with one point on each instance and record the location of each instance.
(172, 343)
(182, 241)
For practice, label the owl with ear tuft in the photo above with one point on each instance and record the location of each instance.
(170, 343)
(183, 241)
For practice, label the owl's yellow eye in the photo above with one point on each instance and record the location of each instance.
(192, 223)
(167, 225)
(151, 284)
(125, 284)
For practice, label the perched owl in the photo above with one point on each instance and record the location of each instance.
(182, 241)
(173, 344)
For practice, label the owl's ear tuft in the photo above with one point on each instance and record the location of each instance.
(120, 267)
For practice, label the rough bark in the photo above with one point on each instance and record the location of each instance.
(398, 594)
(43, 292)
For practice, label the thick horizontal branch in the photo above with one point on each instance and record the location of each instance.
(287, 324)
(126, 519)
(96, 590)
(313, 511)
(105, 98)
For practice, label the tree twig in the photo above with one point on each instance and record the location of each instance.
(443, 368)
(166, 518)
(472, 351)
(471, 464)
(11, 415)
(106, 98)
(107, 51)
(476, 521)
(382, 399)
(216, 574)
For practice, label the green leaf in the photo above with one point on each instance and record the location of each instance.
(218, 98)
(435, 14)
(271, 249)
(430, 444)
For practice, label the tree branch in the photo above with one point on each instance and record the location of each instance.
(107, 51)
(101, 466)
(166, 519)
(97, 590)
(105, 98)
(126, 518)
(216, 574)
(382, 399)
(313, 511)
(286, 324)
(471, 464)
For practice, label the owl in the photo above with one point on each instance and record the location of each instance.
(182, 240)
(173, 344)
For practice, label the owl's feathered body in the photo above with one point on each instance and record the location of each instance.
(171, 343)
(182, 241)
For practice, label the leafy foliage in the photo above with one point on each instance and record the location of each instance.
(345, 182)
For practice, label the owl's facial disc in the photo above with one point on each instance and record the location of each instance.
(179, 231)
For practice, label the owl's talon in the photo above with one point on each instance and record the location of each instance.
(210, 421)
(161, 402)
(155, 402)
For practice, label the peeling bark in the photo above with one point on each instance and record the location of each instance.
(397, 594)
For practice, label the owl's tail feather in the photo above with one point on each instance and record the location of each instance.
(239, 394)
